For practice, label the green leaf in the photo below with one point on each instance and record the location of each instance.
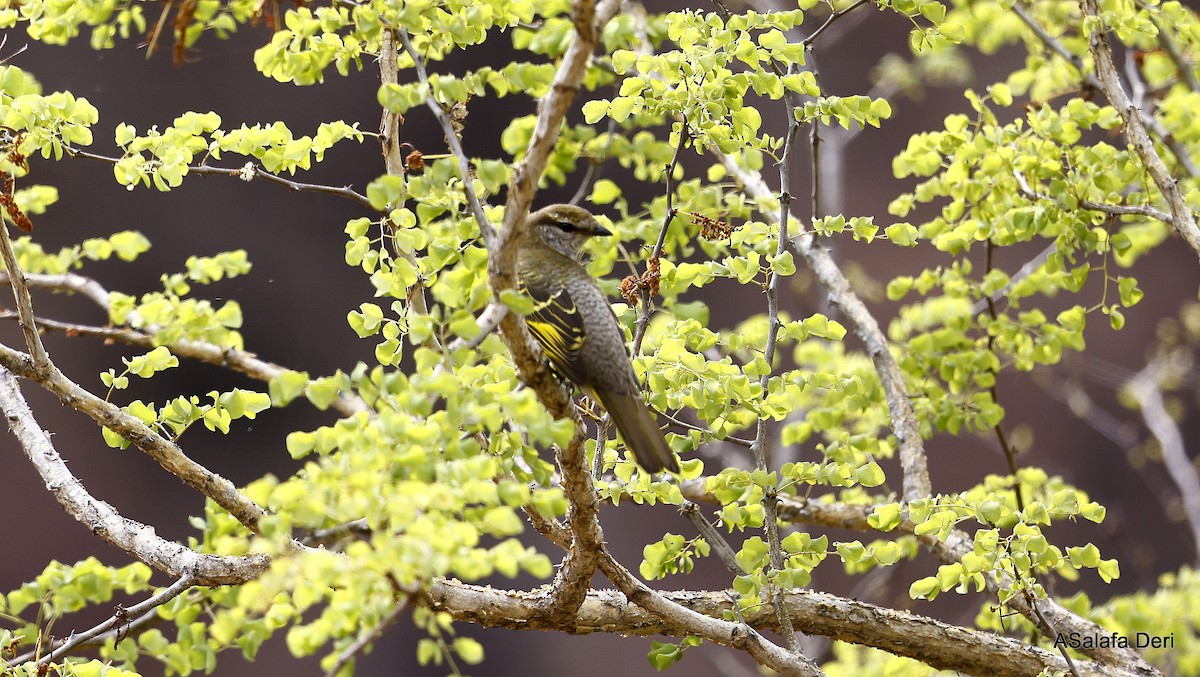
(604, 192)
(469, 650)
(521, 304)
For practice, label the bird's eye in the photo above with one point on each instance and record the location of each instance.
(565, 226)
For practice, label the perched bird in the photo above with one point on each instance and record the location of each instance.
(578, 330)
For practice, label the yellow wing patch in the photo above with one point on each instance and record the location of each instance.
(556, 324)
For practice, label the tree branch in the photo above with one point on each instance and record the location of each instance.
(837, 287)
(956, 545)
(118, 619)
(452, 140)
(102, 520)
(1181, 154)
(930, 641)
(737, 635)
(1146, 388)
(570, 585)
(38, 367)
(1135, 131)
(42, 366)
(249, 172)
(168, 455)
(240, 361)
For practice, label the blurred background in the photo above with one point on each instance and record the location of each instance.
(1067, 419)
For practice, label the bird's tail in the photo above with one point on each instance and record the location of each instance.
(639, 430)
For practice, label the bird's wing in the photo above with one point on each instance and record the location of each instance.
(557, 324)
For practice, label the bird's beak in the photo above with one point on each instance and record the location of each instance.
(601, 230)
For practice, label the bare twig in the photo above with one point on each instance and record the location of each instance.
(69, 282)
(1128, 210)
(706, 529)
(118, 619)
(249, 172)
(829, 22)
(366, 638)
(594, 166)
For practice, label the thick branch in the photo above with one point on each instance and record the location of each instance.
(933, 642)
(956, 545)
(571, 583)
(101, 519)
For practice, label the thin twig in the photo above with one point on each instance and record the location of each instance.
(714, 538)
(249, 172)
(456, 148)
(594, 165)
(113, 622)
(16, 279)
(1010, 454)
(758, 449)
(829, 22)
(643, 320)
(362, 642)
(740, 441)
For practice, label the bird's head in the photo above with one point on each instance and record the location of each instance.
(564, 228)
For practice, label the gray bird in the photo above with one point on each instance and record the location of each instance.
(575, 324)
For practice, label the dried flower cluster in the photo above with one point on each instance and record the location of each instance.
(633, 286)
